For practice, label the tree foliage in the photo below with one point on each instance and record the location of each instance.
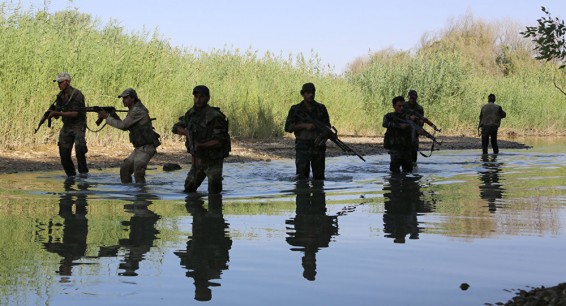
(549, 38)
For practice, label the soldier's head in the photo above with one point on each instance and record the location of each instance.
(308, 92)
(398, 104)
(201, 96)
(63, 79)
(412, 95)
(129, 97)
(491, 98)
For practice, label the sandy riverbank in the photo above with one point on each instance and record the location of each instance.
(46, 158)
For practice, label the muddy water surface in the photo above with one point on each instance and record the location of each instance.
(362, 237)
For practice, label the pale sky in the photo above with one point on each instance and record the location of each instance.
(338, 31)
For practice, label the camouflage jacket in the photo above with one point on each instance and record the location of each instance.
(294, 117)
(207, 124)
(137, 121)
(73, 103)
(491, 115)
(395, 136)
(414, 108)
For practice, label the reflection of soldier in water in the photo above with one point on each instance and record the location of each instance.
(402, 202)
(311, 229)
(142, 233)
(490, 189)
(207, 253)
(72, 246)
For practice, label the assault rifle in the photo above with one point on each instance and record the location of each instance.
(419, 129)
(423, 119)
(111, 110)
(52, 107)
(328, 132)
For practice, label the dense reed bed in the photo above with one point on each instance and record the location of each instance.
(453, 72)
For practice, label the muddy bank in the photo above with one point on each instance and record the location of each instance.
(45, 157)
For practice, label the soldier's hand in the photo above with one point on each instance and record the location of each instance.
(181, 131)
(102, 114)
(404, 125)
(308, 126)
(54, 114)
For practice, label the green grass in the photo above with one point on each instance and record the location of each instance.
(256, 90)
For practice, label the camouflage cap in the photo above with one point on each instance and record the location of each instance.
(128, 92)
(63, 76)
(201, 89)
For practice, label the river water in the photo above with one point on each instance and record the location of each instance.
(361, 237)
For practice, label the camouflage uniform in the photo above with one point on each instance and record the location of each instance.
(142, 136)
(72, 132)
(490, 119)
(207, 124)
(399, 142)
(409, 109)
(308, 152)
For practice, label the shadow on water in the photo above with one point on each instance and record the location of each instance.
(491, 189)
(207, 252)
(404, 200)
(72, 245)
(143, 232)
(311, 229)
(458, 218)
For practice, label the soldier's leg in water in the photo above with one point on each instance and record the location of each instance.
(127, 168)
(195, 177)
(395, 162)
(214, 174)
(141, 160)
(415, 149)
(318, 165)
(484, 139)
(81, 149)
(493, 135)
(302, 162)
(406, 161)
(66, 140)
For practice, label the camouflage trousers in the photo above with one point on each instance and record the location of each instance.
(205, 168)
(401, 157)
(309, 157)
(69, 136)
(136, 164)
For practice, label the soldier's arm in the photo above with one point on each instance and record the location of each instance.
(389, 122)
(73, 110)
(219, 131)
(180, 128)
(133, 117)
(290, 121)
(292, 124)
(502, 113)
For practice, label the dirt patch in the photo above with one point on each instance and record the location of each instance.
(46, 157)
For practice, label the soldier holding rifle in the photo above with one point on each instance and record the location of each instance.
(399, 137)
(142, 136)
(208, 141)
(310, 148)
(68, 106)
(412, 107)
